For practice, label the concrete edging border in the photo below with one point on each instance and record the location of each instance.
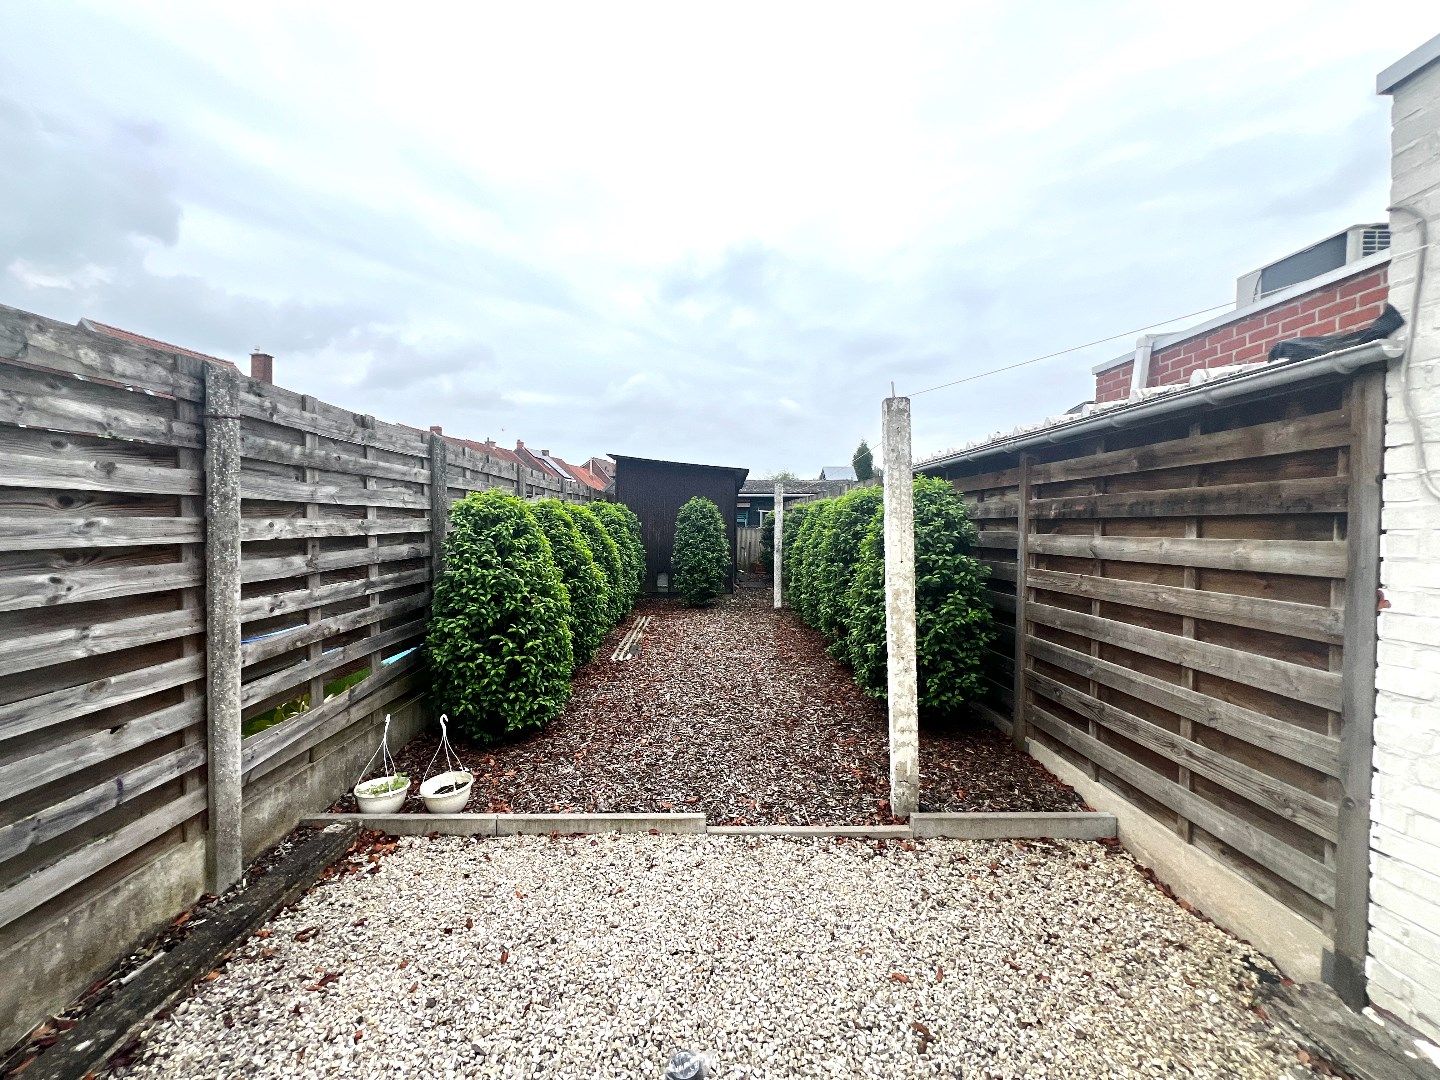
(966, 826)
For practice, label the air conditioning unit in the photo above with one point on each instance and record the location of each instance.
(1342, 249)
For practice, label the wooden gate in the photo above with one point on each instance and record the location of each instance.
(747, 548)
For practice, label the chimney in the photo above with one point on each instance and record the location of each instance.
(436, 429)
(262, 367)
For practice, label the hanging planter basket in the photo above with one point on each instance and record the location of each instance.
(449, 791)
(383, 794)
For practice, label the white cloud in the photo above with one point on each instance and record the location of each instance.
(661, 228)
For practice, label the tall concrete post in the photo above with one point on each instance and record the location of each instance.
(902, 683)
(778, 541)
(226, 852)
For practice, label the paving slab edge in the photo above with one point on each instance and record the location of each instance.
(1080, 825)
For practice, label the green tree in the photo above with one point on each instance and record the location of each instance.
(499, 638)
(701, 558)
(863, 461)
(952, 604)
(590, 603)
(837, 559)
(607, 557)
(624, 528)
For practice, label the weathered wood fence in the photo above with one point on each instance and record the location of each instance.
(748, 549)
(1188, 609)
(121, 773)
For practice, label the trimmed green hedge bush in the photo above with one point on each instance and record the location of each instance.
(607, 558)
(837, 564)
(589, 591)
(499, 638)
(624, 528)
(701, 559)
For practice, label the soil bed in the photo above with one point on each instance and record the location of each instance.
(737, 712)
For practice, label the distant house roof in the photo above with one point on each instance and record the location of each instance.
(583, 475)
(148, 342)
(489, 446)
(819, 488)
(838, 472)
(601, 466)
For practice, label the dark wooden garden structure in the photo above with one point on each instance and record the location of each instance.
(655, 490)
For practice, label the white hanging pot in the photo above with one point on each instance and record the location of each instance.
(448, 792)
(382, 795)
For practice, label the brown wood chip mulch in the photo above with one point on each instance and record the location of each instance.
(738, 712)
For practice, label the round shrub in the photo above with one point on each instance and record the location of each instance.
(607, 557)
(836, 559)
(952, 604)
(624, 528)
(794, 522)
(589, 592)
(499, 639)
(701, 559)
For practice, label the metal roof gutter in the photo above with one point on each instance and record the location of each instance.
(1258, 383)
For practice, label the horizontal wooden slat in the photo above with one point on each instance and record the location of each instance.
(36, 533)
(1314, 558)
(95, 639)
(1317, 495)
(298, 675)
(69, 757)
(1307, 874)
(1312, 685)
(277, 742)
(1317, 432)
(69, 474)
(284, 603)
(58, 413)
(252, 529)
(284, 566)
(279, 644)
(46, 710)
(1000, 570)
(30, 892)
(1308, 621)
(271, 488)
(998, 539)
(992, 509)
(1285, 800)
(264, 403)
(59, 818)
(260, 449)
(21, 592)
(986, 481)
(1311, 749)
(48, 345)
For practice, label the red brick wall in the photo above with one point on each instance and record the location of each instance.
(1344, 305)
(1114, 384)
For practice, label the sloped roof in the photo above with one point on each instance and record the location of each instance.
(838, 472)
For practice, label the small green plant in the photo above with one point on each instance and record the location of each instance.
(590, 604)
(701, 558)
(607, 558)
(837, 556)
(499, 638)
(383, 785)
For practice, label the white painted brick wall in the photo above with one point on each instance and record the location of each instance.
(1404, 962)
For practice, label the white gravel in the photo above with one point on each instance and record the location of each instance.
(598, 957)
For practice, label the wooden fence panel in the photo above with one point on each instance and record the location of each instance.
(1183, 591)
(102, 713)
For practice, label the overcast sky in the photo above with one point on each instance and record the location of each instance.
(710, 234)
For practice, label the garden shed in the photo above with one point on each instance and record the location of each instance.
(655, 490)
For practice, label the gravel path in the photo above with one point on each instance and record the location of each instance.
(738, 712)
(598, 957)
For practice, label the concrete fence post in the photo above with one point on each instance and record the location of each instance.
(777, 543)
(439, 504)
(901, 678)
(225, 848)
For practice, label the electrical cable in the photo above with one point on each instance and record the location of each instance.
(1073, 348)
(1406, 394)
